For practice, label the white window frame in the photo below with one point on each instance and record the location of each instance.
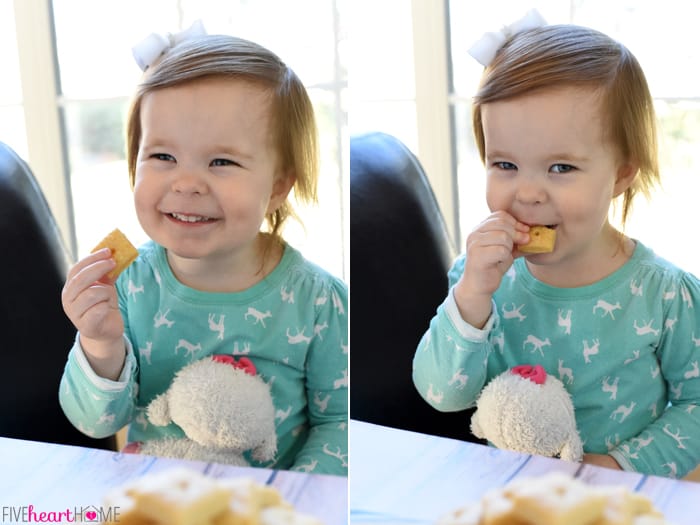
(46, 156)
(433, 112)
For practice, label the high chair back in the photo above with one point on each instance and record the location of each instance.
(36, 334)
(400, 253)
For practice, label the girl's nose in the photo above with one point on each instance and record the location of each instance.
(530, 190)
(188, 181)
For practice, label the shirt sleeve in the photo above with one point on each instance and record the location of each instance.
(670, 446)
(97, 406)
(449, 366)
(326, 448)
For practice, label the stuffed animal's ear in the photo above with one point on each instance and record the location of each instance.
(266, 450)
(572, 449)
(475, 427)
(158, 411)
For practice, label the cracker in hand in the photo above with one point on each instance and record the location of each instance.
(123, 252)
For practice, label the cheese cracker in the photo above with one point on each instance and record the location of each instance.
(123, 252)
(542, 240)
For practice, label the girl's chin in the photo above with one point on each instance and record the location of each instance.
(540, 258)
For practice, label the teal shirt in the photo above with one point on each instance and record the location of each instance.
(627, 348)
(293, 325)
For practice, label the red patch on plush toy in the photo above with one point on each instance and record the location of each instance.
(243, 363)
(536, 373)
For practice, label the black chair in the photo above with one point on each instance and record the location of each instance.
(36, 334)
(400, 254)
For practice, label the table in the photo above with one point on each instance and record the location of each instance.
(54, 478)
(401, 477)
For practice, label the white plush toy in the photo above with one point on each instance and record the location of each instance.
(223, 407)
(526, 410)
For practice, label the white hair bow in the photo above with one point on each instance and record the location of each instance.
(484, 50)
(154, 45)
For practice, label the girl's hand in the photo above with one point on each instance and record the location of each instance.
(90, 301)
(601, 460)
(491, 249)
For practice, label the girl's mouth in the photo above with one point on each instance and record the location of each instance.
(189, 218)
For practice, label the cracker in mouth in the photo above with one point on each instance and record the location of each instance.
(542, 239)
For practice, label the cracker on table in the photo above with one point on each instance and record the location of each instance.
(123, 252)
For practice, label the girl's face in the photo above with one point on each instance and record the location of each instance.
(206, 173)
(548, 163)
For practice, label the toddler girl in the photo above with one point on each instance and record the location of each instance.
(564, 123)
(219, 132)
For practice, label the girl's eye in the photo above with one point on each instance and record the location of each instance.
(224, 162)
(505, 165)
(166, 157)
(562, 168)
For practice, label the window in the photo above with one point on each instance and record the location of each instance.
(97, 75)
(12, 130)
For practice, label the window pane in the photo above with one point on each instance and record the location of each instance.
(471, 176)
(304, 44)
(13, 131)
(382, 51)
(12, 127)
(662, 35)
(651, 220)
(102, 198)
(10, 87)
(94, 41)
(395, 117)
(665, 57)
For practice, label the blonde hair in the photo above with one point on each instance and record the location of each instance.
(293, 126)
(567, 55)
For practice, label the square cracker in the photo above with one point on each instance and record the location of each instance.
(123, 252)
(541, 240)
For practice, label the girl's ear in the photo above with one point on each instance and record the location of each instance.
(625, 176)
(281, 187)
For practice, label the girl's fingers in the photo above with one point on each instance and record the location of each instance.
(92, 296)
(505, 221)
(522, 227)
(103, 254)
(86, 277)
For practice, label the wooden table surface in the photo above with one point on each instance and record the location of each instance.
(401, 477)
(54, 478)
